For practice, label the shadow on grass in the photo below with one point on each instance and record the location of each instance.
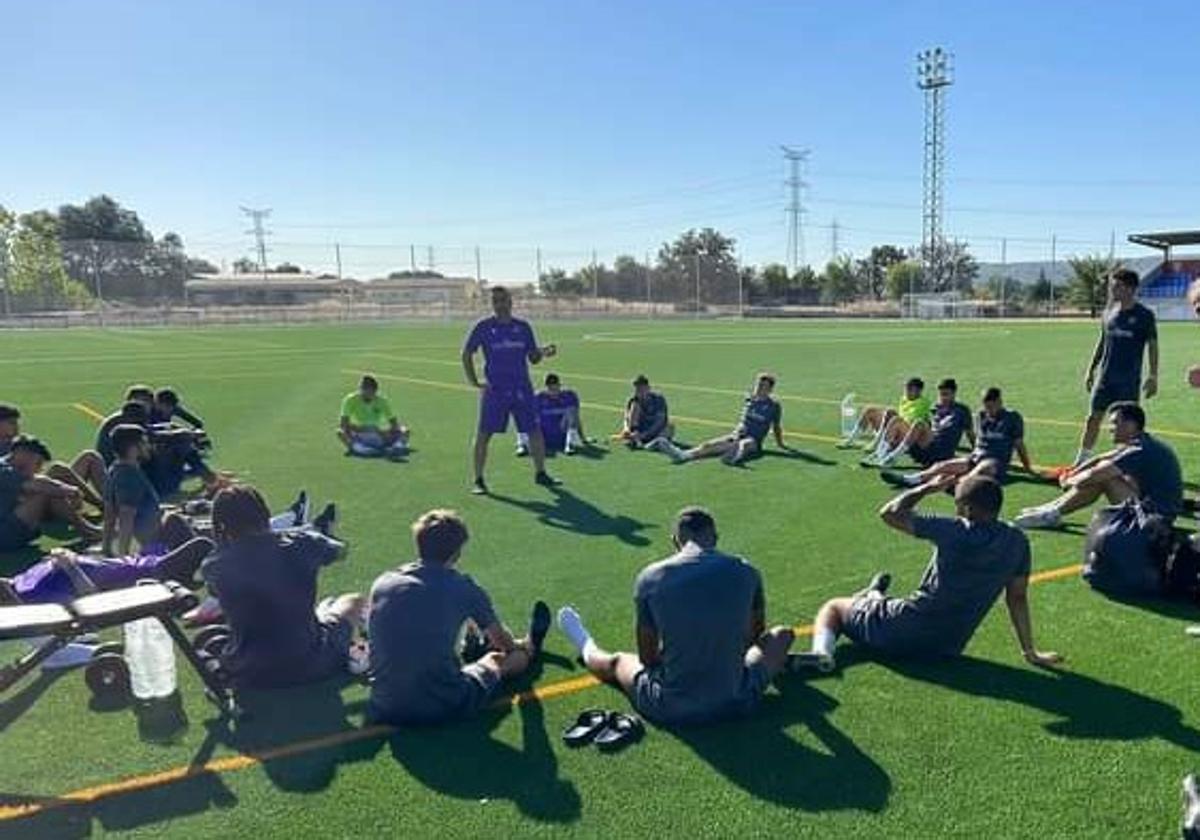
(1181, 610)
(794, 454)
(464, 761)
(569, 512)
(1085, 707)
(759, 756)
(22, 700)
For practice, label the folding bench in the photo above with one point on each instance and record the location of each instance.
(63, 623)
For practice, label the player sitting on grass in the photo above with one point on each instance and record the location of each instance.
(266, 583)
(976, 556)
(1141, 467)
(29, 500)
(368, 426)
(703, 652)
(558, 418)
(85, 472)
(933, 441)
(1114, 372)
(646, 416)
(999, 433)
(418, 613)
(167, 409)
(893, 429)
(761, 413)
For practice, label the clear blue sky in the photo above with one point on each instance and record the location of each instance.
(579, 125)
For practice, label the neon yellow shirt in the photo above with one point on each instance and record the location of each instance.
(376, 414)
(914, 411)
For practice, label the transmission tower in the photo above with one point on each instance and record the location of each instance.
(934, 75)
(796, 159)
(260, 234)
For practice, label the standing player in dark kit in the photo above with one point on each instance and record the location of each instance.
(509, 347)
(1114, 373)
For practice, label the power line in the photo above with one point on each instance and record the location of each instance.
(796, 159)
(260, 234)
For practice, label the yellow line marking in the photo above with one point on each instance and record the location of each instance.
(88, 410)
(242, 761)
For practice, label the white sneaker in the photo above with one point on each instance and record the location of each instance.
(797, 662)
(1043, 517)
(209, 612)
(522, 451)
(71, 655)
(571, 625)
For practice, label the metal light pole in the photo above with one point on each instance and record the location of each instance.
(934, 75)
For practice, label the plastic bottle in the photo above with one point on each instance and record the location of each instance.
(151, 657)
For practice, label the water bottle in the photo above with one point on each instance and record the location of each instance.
(151, 657)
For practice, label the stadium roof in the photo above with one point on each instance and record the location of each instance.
(1166, 240)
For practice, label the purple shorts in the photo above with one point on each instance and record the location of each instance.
(44, 583)
(497, 402)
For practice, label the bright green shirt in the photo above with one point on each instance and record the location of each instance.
(912, 411)
(376, 414)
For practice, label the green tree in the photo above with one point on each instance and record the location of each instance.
(1088, 288)
(839, 283)
(706, 252)
(1040, 290)
(37, 277)
(555, 282)
(872, 271)
(776, 282)
(245, 265)
(904, 278)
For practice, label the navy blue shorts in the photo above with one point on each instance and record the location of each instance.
(1107, 393)
(15, 534)
(648, 699)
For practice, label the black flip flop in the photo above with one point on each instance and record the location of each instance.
(586, 727)
(539, 626)
(620, 730)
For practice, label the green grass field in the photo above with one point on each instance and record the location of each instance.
(982, 746)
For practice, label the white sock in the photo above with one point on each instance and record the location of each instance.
(572, 627)
(823, 641)
(522, 440)
(573, 438)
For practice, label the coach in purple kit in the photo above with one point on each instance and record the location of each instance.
(508, 346)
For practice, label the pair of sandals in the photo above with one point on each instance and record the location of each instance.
(609, 731)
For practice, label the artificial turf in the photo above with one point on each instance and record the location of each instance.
(982, 746)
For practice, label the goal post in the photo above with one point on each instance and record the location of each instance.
(938, 306)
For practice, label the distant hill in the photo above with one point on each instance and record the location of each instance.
(1059, 273)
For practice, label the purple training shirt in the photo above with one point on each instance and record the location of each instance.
(506, 348)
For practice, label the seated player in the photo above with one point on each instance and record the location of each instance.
(761, 413)
(1141, 467)
(976, 556)
(176, 452)
(914, 411)
(999, 433)
(29, 500)
(167, 409)
(85, 472)
(267, 585)
(368, 426)
(646, 416)
(64, 575)
(703, 652)
(558, 416)
(132, 507)
(949, 422)
(418, 612)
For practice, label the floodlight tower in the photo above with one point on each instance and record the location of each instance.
(934, 75)
(796, 158)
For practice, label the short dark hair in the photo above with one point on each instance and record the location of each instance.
(440, 534)
(552, 379)
(501, 290)
(28, 443)
(139, 392)
(9, 412)
(915, 382)
(1126, 277)
(167, 396)
(240, 510)
(991, 394)
(695, 523)
(1130, 411)
(948, 384)
(135, 412)
(983, 493)
(369, 383)
(124, 436)
(641, 380)
(769, 378)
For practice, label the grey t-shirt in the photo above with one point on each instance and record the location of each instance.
(700, 603)
(1123, 339)
(996, 437)
(417, 612)
(949, 424)
(1153, 465)
(971, 565)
